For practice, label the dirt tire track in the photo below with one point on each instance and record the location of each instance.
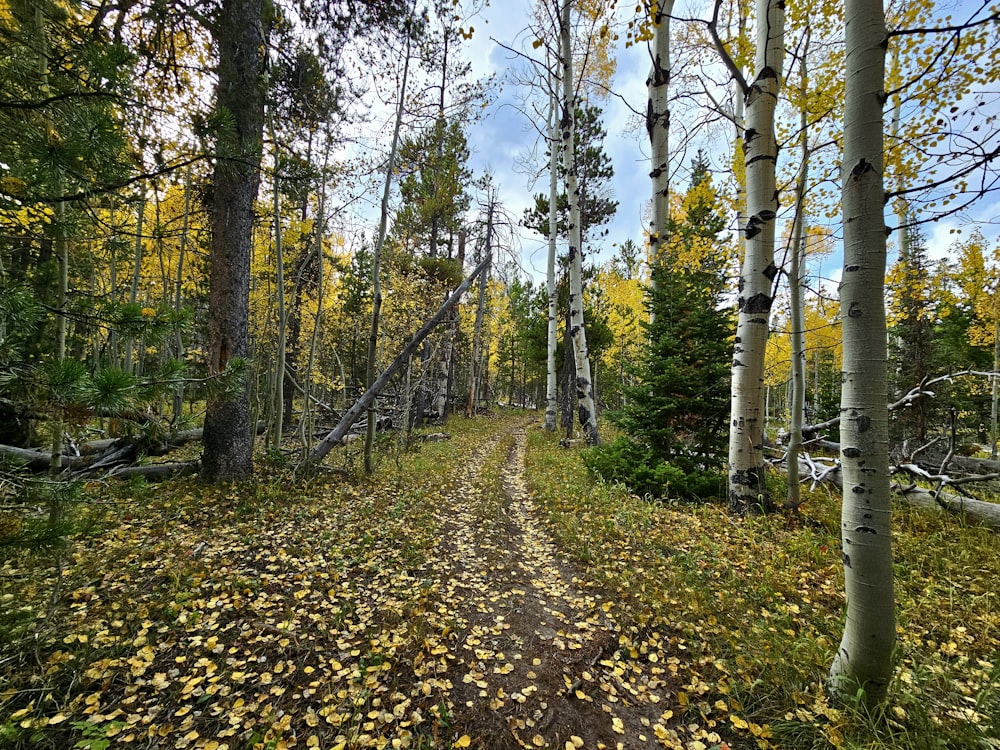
(536, 658)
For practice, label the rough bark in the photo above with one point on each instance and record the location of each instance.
(864, 657)
(746, 434)
(240, 34)
(586, 406)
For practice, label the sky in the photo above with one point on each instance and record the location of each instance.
(505, 137)
(503, 140)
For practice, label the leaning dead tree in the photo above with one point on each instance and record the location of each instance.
(337, 434)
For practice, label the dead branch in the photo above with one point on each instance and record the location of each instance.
(361, 405)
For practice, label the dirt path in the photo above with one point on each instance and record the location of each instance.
(535, 656)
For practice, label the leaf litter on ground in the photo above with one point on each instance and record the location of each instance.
(430, 607)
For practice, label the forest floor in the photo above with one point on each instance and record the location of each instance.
(477, 592)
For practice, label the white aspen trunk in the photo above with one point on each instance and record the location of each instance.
(383, 223)
(796, 284)
(658, 129)
(746, 434)
(586, 410)
(551, 373)
(864, 657)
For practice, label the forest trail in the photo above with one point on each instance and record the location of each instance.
(426, 609)
(538, 659)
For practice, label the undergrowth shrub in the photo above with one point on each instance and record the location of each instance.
(630, 463)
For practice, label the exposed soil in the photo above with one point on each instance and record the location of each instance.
(538, 658)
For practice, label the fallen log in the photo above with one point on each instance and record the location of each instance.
(352, 415)
(973, 511)
(36, 460)
(100, 454)
(156, 472)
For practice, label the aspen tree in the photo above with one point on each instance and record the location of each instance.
(587, 411)
(658, 127)
(863, 663)
(746, 434)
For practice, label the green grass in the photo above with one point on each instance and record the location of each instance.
(759, 601)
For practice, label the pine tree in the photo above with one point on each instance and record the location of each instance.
(910, 338)
(595, 172)
(676, 415)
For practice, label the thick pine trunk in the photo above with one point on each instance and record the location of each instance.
(864, 658)
(240, 35)
(587, 411)
(746, 433)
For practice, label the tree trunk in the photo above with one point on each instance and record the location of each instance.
(133, 295)
(658, 129)
(578, 331)
(178, 395)
(864, 658)
(368, 397)
(796, 286)
(477, 332)
(551, 372)
(383, 224)
(240, 35)
(306, 421)
(277, 401)
(746, 432)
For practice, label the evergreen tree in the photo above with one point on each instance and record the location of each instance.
(433, 190)
(595, 172)
(676, 414)
(910, 349)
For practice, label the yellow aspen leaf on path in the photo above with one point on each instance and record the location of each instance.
(463, 741)
(58, 719)
(738, 722)
(617, 725)
(538, 741)
(576, 741)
